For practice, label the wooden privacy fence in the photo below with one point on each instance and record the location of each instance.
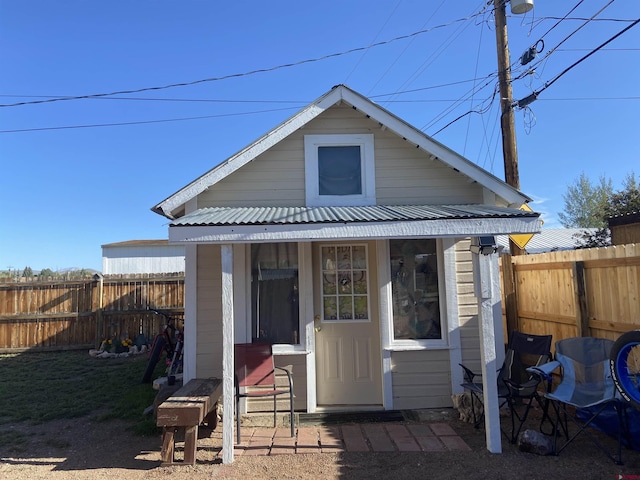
(589, 292)
(61, 315)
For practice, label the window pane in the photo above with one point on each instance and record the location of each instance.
(414, 277)
(339, 170)
(274, 293)
(344, 288)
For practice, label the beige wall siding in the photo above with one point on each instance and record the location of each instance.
(209, 312)
(404, 174)
(467, 306)
(421, 379)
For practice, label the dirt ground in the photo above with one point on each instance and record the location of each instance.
(87, 449)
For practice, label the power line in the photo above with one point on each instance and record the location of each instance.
(532, 66)
(144, 122)
(406, 47)
(346, 80)
(244, 74)
(216, 100)
(152, 99)
(527, 100)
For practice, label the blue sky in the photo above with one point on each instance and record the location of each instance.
(67, 191)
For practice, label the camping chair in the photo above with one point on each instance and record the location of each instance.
(586, 384)
(255, 372)
(515, 384)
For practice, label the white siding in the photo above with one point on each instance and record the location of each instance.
(134, 259)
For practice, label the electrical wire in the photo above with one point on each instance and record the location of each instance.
(214, 100)
(392, 64)
(144, 122)
(561, 20)
(244, 74)
(524, 102)
(432, 58)
(550, 52)
(364, 54)
(152, 99)
(475, 73)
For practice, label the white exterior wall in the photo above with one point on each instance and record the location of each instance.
(134, 259)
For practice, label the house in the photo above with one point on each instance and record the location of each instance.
(142, 256)
(343, 236)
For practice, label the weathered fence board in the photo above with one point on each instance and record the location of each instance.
(52, 315)
(588, 292)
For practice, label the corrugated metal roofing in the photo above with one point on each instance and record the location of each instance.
(220, 216)
(549, 239)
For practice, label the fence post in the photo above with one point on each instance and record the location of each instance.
(510, 294)
(97, 306)
(582, 310)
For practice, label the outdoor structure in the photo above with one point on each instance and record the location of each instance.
(346, 237)
(142, 256)
(625, 228)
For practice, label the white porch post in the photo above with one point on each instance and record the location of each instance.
(490, 326)
(227, 353)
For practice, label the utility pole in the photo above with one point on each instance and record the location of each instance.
(509, 148)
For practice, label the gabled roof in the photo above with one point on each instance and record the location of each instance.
(172, 206)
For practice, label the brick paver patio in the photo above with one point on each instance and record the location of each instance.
(365, 437)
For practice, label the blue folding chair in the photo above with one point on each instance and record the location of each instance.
(586, 384)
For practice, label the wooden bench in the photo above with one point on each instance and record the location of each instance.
(185, 410)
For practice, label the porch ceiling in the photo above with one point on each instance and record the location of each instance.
(252, 224)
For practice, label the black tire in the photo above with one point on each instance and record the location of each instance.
(154, 357)
(627, 383)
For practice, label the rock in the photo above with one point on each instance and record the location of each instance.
(533, 441)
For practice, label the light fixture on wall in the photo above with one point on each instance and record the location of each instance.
(484, 245)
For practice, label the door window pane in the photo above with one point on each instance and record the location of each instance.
(414, 286)
(344, 283)
(274, 293)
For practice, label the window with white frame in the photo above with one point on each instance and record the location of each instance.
(339, 169)
(415, 291)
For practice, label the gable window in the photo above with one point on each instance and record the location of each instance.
(339, 170)
(274, 293)
(414, 287)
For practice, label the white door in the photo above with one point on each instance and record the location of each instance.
(348, 353)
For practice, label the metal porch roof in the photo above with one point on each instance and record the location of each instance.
(229, 216)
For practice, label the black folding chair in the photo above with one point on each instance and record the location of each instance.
(515, 385)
